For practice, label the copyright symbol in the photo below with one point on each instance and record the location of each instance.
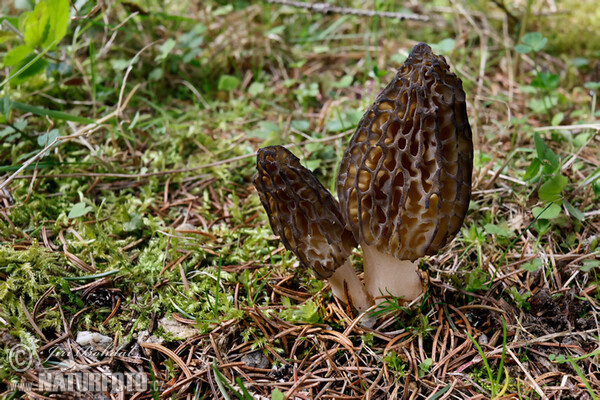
(20, 358)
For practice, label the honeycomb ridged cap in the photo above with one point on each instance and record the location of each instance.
(404, 182)
(302, 212)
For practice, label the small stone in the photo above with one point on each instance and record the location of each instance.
(85, 338)
(177, 329)
(256, 360)
(483, 339)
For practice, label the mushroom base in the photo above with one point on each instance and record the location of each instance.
(346, 286)
(386, 275)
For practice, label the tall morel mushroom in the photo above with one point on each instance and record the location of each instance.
(404, 182)
(307, 218)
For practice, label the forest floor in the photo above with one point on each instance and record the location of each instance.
(133, 240)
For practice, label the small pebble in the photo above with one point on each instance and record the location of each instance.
(483, 339)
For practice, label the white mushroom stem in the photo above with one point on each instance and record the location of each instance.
(385, 275)
(346, 286)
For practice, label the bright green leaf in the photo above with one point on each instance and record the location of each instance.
(47, 24)
(276, 395)
(16, 55)
(552, 188)
(6, 35)
(228, 82)
(79, 210)
(551, 212)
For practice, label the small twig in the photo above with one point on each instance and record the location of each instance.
(537, 387)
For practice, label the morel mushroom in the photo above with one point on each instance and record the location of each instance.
(307, 218)
(404, 182)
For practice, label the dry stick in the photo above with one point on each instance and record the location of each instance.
(324, 8)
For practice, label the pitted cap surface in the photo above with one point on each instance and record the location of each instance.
(302, 212)
(404, 182)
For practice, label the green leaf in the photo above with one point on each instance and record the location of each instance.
(47, 24)
(557, 119)
(5, 106)
(256, 88)
(533, 169)
(79, 210)
(475, 280)
(588, 265)
(534, 40)
(540, 146)
(551, 212)
(545, 80)
(552, 188)
(265, 130)
(276, 395)
(27, 68)
(499, 230)
(532, 266)
(119, 64)
(444, 46)
(592, 85)
(47, 138)
(228, 82)
(521, 48)
(6, 35)
(16, 55)
(596, 187)
(575, 213)
(344, 82)
(155, 75)
(579, 62)
(300, 125)
(165, 49)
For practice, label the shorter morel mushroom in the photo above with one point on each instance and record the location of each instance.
(307, 218)
(404, 182)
